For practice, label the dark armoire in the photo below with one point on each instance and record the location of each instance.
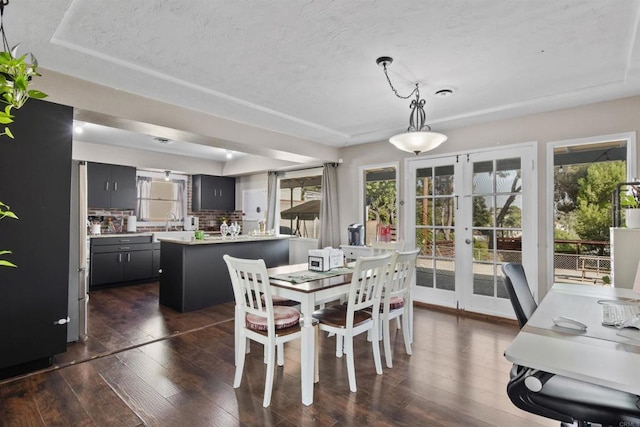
(35, 181)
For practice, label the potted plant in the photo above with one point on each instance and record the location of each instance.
(631, 202)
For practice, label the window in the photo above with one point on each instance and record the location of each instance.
(379, 186)
(300, 203)
(158, 197)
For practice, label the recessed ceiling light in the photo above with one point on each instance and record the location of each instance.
(229, 155)
(444, 92)
(161, 140)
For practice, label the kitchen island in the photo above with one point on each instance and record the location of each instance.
(194, 274)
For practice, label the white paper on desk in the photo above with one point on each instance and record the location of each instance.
(631, 333)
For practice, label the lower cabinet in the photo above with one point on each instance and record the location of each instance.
(120, 259)
(155, 272)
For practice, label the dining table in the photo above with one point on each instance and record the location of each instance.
(309, 288)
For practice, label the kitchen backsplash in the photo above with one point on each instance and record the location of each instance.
(209, 220)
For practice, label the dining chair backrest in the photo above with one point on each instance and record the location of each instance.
(368, 279)
(378, 248)
(401, 269)
(519, 292)
(250, 281)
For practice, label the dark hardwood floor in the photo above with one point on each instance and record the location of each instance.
(144, 364)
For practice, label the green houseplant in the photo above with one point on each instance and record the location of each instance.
(631, 202)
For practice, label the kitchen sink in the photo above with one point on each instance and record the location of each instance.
(180, 235)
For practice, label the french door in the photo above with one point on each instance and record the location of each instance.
(469, 214)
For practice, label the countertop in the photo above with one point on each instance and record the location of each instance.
(209, 240)
(99, 236)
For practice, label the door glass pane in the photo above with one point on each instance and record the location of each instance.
(424, 211)
(443, 181)
(508, 178)
(424, 272)
(483, 279)
(445, 275)
(424, 181)
(483, 211)
(509, 211)
(483, 177)
(444, 214)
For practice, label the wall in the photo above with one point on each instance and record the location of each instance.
(602, 118)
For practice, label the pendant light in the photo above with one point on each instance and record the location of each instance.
(418, 138)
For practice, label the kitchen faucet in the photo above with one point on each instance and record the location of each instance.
(167, 216)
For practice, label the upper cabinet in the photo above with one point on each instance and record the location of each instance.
(111, 186)
(213, 193)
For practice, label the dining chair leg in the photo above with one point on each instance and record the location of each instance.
(268, 382)
(316, 368)
(339, 348)
(376, 348)
(240, 353)
(386, 339)
(351, 369)
(405, 333)
(280, 352)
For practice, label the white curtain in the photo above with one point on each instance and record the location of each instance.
(143, 187)
(329, 220)
(272, 200)
(178, 194)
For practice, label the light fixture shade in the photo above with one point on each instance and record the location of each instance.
(418, 141)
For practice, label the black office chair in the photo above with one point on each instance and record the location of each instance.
(553, 396)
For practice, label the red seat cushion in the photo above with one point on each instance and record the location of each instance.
(284, 317)
(276, 300)
(394, 303)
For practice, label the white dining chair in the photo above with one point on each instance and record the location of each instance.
(360, 314)
(256, 318)
(378, 248)
(396, 300)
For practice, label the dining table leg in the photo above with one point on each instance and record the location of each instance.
(307, 351)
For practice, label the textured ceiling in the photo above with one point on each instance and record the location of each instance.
(307, 68)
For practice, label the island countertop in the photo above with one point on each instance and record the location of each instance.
(210, 240)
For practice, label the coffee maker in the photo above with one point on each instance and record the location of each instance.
(356, 235)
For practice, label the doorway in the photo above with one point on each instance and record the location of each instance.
(469, 214)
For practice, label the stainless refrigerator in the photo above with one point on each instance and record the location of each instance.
(78, 255)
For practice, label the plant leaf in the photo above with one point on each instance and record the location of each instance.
(8, 132)
(36, 94)
(5, 263)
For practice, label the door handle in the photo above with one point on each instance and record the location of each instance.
(128, 257)
(106, 186)
(119, 257)
(115, 186)
(468, 241)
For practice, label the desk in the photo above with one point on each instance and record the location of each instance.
(307, 294)
(597, 355)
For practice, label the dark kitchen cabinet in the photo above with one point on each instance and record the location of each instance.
(35, 171)
(120, 259)
(213, 193)
(155, 273)
(111, 186)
